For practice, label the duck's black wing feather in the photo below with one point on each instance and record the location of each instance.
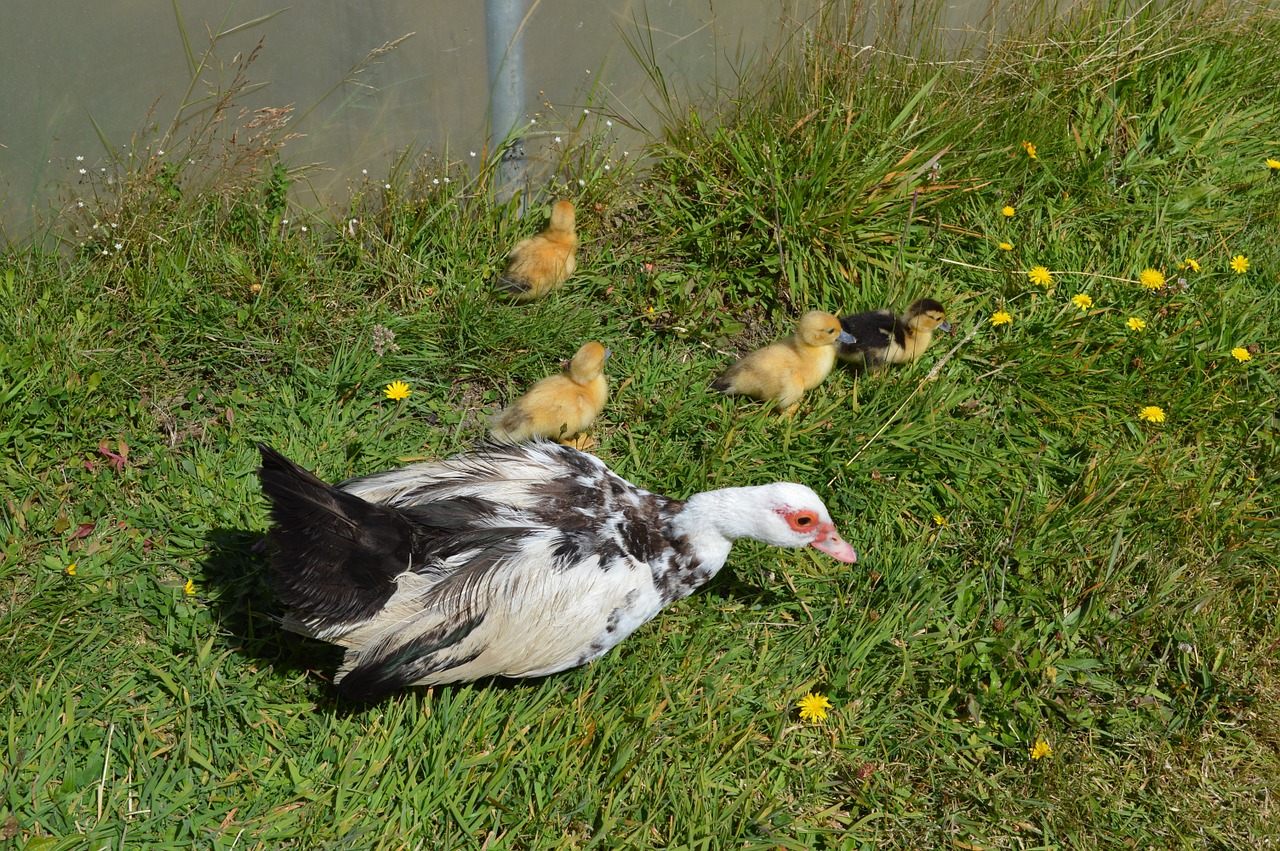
(337, 555)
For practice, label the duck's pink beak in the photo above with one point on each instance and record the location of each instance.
(830, 542)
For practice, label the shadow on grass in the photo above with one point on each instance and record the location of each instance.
(237, 567)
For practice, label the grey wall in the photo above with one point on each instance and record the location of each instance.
(68, 64)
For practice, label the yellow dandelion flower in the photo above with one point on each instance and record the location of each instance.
(1007, 212)
(397, 390)
(1004, 246)
(189, 589)
(1273, 164)
(1040, 275)
(1241, 354)
(1151, 279)
(1082, 301)
(1001, 317)
(1029, 148)
(813, 708)
(940, 521)
(1240, 264)
(71, 569)
(1041, 749)
(1136, 324)
(1189, 263)
(1152, 414)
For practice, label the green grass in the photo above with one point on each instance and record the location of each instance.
(1037, 563)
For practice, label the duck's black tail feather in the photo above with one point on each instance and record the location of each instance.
(336, 555)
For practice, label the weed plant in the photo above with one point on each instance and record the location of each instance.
(1062, 631)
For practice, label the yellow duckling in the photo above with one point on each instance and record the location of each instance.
(541, 263)
(885, 338)
(782, 371)
(559, 406)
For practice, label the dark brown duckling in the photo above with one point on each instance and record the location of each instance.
(884, 338)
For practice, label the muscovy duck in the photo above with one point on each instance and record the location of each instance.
(515, 561)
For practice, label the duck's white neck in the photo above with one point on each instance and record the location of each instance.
(711, 521)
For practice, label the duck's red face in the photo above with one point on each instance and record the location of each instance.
(806, 521)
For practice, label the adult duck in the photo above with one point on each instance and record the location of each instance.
(514, 561)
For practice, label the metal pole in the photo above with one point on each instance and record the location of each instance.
(505, 48)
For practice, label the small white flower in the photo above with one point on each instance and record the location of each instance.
(79, 203)
(159, 153)
(191, 162)
(386, 186)
(119, 245)
(473, 153)
(304, 228)
(446, 180)
(533, 121)
(114, 224)
(79, 159)
(557, 138)
(284, 221)
(608, 123)
(586, 112)
(606, 166)
(436, 181)
(581, 182)
(364, 171)
(105, 252)
(95, 225)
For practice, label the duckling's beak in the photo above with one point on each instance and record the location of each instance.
(846, 337)
(830, 542)
(945, 326)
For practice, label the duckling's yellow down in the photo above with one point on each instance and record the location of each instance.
(559, 406)
(541, 263)
(781, 372)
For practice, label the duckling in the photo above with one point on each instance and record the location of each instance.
(541, 263)
(782, 371)
(515, 561)
(885, 338)
(559, 406)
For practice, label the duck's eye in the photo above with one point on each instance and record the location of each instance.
(802, 520)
